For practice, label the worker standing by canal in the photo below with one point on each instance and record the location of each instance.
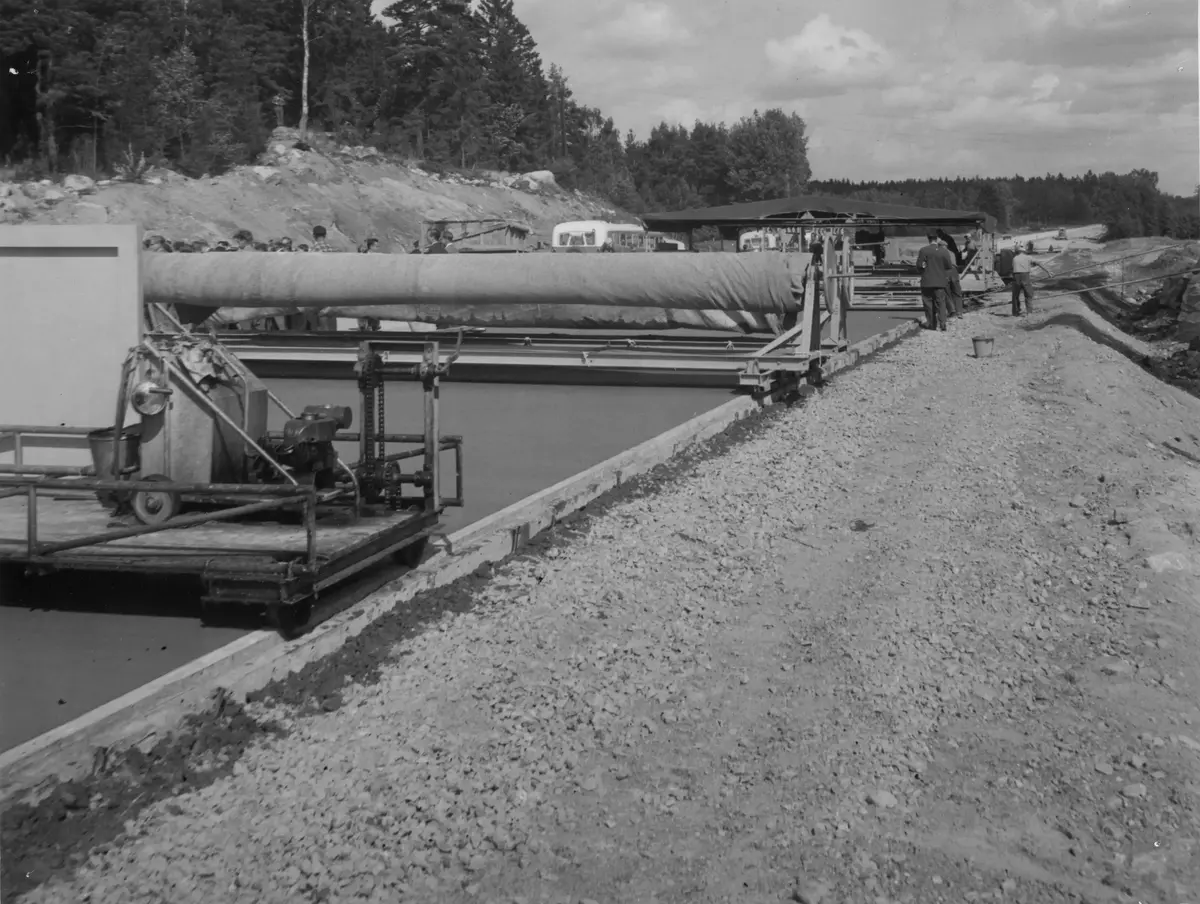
(970, 249)
(312, 318)
(954, 293)
(935, 263)
(319, 243)
(1022, 281)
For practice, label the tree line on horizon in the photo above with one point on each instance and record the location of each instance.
(1128, 205)
(91, 86)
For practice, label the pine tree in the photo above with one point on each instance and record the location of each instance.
(516, 86)
(456, 90)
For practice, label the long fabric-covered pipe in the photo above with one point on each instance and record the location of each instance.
(751, 283)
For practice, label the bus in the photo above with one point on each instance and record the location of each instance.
(590, 235)
(759, 240)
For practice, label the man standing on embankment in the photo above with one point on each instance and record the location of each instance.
(935, 263)
(1022, 267)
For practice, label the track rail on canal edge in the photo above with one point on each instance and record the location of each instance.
(251, 662)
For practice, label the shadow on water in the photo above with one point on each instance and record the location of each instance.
(170, 596)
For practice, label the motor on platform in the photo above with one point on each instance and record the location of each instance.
(306, 448)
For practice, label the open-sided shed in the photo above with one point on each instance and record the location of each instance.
(813, 211)
(880, 279)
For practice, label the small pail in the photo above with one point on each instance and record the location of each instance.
(983, 346)
(101, 442)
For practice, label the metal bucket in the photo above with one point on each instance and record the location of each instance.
(984, 345)
(101, 443)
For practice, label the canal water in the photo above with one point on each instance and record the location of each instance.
(98, 637)
(57, 663)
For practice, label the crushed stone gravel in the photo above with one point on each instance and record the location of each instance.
(894, 647)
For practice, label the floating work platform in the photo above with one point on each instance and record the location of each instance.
(271, 539)
(285, 552)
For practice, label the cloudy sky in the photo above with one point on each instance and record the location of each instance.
(895, 88)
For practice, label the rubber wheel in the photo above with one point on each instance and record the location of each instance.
(412, 554)
(154, 507)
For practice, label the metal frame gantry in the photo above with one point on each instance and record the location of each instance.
(603, 357)
(828, 291)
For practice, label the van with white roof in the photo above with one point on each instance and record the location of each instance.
(591, 235)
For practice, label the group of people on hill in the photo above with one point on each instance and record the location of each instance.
(243, 240)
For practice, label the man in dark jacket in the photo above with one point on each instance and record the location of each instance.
(935, 263)
(948, 241)
(1004, 264)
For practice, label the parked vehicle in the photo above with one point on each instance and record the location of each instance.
(758, 241)
(591, 235)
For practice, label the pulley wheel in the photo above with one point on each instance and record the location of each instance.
(156, 506)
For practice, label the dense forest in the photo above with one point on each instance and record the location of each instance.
(1129, 205)
(91, 86)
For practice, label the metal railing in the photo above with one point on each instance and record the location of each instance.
(262, 499)
(17, 434)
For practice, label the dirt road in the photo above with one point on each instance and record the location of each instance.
(929, 637)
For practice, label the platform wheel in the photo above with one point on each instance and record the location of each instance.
(412, 554)
(155, 506)
(290, 619)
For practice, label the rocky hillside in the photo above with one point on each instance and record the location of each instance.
(1160, 303)
(355, 192)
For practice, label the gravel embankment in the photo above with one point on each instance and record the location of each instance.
(901, 647)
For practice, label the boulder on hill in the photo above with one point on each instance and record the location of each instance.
(541, 177)
(1188, 327)
(80, 185)
(1168, 297)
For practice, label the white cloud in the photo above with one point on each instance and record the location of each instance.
(680, 111)
(826, 54)
(1029, 87)
(1036, 16)
(643, 26)
(1044, 85)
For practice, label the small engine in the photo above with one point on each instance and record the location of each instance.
(307, 446)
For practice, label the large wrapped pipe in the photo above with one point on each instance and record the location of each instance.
(753, 283)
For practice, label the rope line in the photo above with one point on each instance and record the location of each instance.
(1117, 260)
(1080, 291)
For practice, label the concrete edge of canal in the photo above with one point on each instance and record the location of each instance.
(142, 716)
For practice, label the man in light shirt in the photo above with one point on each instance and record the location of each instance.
(1022, 266)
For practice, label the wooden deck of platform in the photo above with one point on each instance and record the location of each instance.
(60, 519)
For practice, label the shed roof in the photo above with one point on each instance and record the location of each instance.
(813, 207)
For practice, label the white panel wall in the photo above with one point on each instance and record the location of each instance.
(70, 309)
